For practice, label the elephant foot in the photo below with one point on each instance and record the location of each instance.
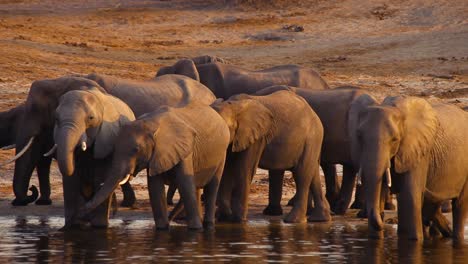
(195, 225)
(291, 201)
(356, 205)
(129, 199)
(389, 206)
(340, 207)
(128, 203)
(319, 215)
(162, 228)
(208, 225)
(273, 210)
(224, 217)
(20, 202)
(43, 201)
(295, 219)
(28, 199)
(362, 213)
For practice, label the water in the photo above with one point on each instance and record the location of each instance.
(37, 239)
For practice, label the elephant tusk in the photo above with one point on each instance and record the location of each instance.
(83, 146)
(127, 178)
(389, 177)
(20, 153)
(51, 151)
(358, 178)
(12, 146)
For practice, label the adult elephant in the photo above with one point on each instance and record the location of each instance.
(9, 121)
(277, 132)
(185, 146)
(35, 136)
(86, 126)
(226, 80)
(419, 150)
(338, 110)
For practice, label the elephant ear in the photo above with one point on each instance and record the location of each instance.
(115, 114)
(174, 141)
(355, 113)
(187, 67)
(254, 122)
(420, 125)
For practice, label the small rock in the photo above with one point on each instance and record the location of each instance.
(293, 28)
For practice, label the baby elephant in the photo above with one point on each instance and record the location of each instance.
(182, 146)
(276, 132)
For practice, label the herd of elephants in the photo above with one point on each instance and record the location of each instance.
(203, 123)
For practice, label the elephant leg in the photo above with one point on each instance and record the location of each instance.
(346, 192)
(321, 210)
(209, 192)
(43, 172)
(157, 195)
(247, 163)
(410, 204)
(275, 191)
(170, 194)
(224, 212)
(184, 178)
(331, 183)
(22, 177)
(459, 213)
(128, 195)
(72, 199)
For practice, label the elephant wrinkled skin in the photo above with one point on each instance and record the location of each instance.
(277, 132)
(183, 146)
(37, 122)
(226, 80)
(425, 148)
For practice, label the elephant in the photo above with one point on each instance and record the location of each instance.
(419, 150)
(225, 80)
(35, 135)
(185, 146)
(337, 109)
(276, 132)
(86, 125)
(8, 129)
(208, 59)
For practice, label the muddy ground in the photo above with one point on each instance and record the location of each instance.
(388, 47)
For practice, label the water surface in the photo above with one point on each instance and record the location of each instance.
(38, 239)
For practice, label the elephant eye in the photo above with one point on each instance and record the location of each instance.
(91, 117)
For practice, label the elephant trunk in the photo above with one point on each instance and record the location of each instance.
(67, 138)
(113, 178)
(373, 174)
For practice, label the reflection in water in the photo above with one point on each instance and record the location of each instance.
(37, 239)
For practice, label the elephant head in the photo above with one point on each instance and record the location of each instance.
(157, 142)
(8, 124)
(86, 118)
(401, 132)
(35, 127)
(248, 120)
(182, 67)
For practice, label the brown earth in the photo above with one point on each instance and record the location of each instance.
(410, 47)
